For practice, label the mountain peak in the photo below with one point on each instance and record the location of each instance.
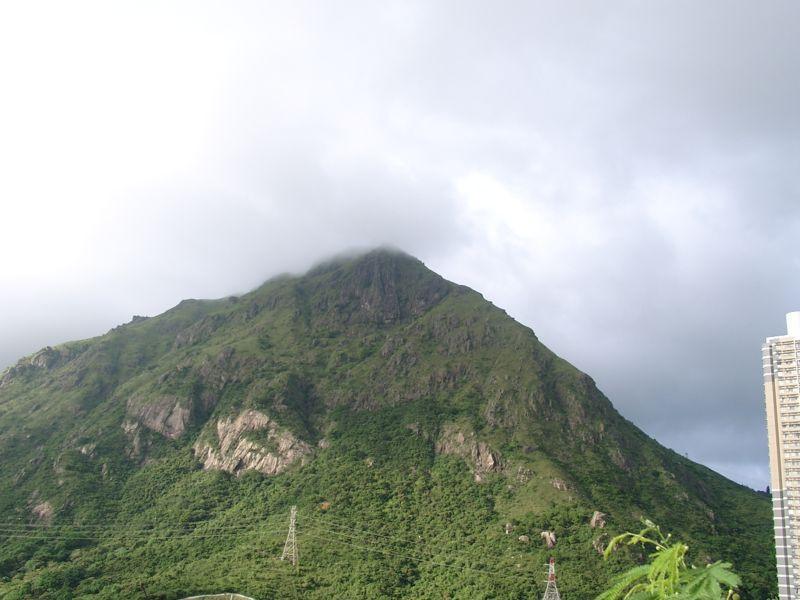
(378, 254)
(382, 286)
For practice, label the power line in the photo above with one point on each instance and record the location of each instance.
(190, 524)
(335, 534)
(207, 527)
(239, 524)
(428, 555)
(116, 530)
(121, 536)
(333, 523)
(111, 528)
(431, 561)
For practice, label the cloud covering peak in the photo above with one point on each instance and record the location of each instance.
(620, 177)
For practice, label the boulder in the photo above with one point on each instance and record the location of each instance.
(549, 538)
(43, 512)
(598, 520)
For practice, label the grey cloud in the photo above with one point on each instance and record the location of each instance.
(619, 177)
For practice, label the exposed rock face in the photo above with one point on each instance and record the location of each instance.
(598, 520)
(45, 359)
(524, 539)
(43, 512)
(383, 287)
(131, 429)
(549, 538)
(87, 449)
(166, 414)
(480, 456)
(187, 393)
(236, 453)
(619, 459)
(560, 485)
(199, 331)
(599, 544)
(523, 474)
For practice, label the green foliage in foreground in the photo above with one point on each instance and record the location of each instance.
(667, 575)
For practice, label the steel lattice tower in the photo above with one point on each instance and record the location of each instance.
(551, 593)
(290, 547)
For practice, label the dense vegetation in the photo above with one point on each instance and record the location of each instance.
(426, 438)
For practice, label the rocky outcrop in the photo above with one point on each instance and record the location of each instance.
(523, 474)
(87, 450)
(380, 288)
(43, 512)
(199, 331)
(599, 544)
(267, 449)
(480, 456)
(549, 538)
(171, 413)
(7, 376)
(131, 429)
(44, 360)
(619, 459)
(166, 414)
(598, 520)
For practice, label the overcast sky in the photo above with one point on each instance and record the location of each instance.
(620, 176)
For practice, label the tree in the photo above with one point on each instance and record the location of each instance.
(667, 575)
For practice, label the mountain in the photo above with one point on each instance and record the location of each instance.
(433, 446)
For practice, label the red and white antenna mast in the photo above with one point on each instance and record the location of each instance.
(551, 593)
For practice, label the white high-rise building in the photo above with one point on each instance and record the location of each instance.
(781, 360)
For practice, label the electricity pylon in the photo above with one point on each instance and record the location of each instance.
(290, 547)
(551, 593)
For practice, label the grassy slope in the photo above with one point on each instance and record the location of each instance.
(409, 352)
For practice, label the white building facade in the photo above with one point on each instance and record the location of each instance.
(781, 361)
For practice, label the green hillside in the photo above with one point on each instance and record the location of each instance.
(426, 437)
